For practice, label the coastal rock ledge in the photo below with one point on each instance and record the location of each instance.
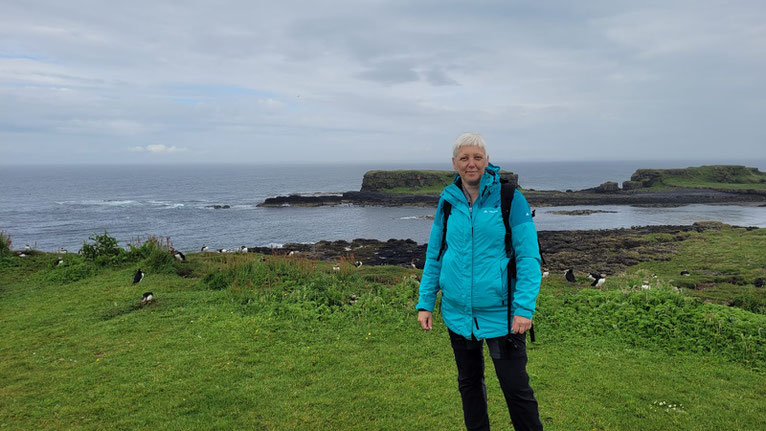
(695, 185)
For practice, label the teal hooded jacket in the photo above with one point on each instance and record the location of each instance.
(472, 272)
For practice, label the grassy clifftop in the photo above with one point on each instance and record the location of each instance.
(721, 177)
(247, 341)
(412, 181)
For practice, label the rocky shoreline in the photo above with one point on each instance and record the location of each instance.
(538, 198)
(647, 187)
(607, 251)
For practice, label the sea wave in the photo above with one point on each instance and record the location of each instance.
(417, 217)
(103, 202)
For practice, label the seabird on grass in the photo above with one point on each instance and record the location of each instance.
(262, 259)
(758, 282)
(569, 275)
(593, 276)
(646, 285)
(358, 263)
(27, 247)
(62, 250)
(546, 273)
(336, 267)
(147, 298)
(22, 255)
(243, 249)
(179, 256)
(222, 250)
(598, 282)
(685, 272)
(138, 277)
(59, 261)
(203, 248)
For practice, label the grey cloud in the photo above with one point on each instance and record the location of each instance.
(606, 79)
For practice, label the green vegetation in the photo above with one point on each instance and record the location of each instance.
(412, 181)
(241, 341)
(720, 177)
(407, 181)
(5, 244)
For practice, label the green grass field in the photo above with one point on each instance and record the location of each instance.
(284, 344)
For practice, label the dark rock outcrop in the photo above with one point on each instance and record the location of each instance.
(607, 251)
(402, 252)
(607, 187)
(356, 198)
(379, 181)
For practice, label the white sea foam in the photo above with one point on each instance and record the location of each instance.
(417, 217)
(112, 203)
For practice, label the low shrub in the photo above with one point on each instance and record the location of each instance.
(103, 251)
(71, 271)
(301, 289)
(160, 260)
(5, 244)
(658, 318)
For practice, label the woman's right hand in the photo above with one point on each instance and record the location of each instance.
(426, 320)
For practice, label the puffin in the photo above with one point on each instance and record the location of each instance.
(570, 275)
(138, 277)
(358, 263)
(599, 280)
(243, 249)
(758, 282)
(685, 272)
(147, 298)
(59, 261)
(179, 256)
(203, 248)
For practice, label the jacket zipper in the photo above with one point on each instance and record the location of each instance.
(476, 322)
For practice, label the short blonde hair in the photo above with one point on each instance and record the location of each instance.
(468, 140)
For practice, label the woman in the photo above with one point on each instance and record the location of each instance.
(471, 272)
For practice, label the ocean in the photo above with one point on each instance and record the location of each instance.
(61, 206)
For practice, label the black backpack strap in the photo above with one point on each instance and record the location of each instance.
(506, 199)
(507, 191)
(446, 210)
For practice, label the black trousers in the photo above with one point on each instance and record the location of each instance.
(510, 360)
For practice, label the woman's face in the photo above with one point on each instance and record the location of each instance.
(470, 163)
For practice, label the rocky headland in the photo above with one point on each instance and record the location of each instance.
(716, 184)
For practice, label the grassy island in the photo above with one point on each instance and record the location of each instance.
(412, 181)
(716, 177)
(247, 341)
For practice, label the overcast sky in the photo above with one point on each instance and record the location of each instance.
(335, 81)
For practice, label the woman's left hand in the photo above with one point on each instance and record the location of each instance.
(521, 324)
